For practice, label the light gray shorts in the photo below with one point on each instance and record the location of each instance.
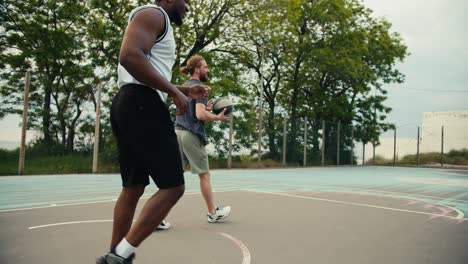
(193, 152)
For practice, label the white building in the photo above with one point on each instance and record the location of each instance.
(455, 126)
(404, 146)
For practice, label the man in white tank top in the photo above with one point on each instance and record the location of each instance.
(142, 125)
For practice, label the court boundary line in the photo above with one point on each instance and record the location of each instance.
(96, 202)
(72, 223)
(459, 212)
(246, 256)
(350, 188)
(459, 217)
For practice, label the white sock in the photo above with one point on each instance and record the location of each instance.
(124, 249)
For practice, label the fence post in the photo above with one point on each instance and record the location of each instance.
(27, 81)
(352, 145)
(305, 142)
(231, 125)
(284, 139)
(96, 131)
(338, 144)
(323, 142)
(442, 149)
(363, 153)
(260, 123)
(373, 152)
(417, 150)
(394, 147)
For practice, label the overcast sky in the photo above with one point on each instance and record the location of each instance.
(436, 34)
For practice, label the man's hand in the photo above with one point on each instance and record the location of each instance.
(181, 102)
(222, 117)
(199, 91)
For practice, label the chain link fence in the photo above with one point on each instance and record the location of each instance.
(315, 143)
(440, 141)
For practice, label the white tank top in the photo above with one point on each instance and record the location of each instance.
(161, 56)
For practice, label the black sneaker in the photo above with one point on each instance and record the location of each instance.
(111, 258)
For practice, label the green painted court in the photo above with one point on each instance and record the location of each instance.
(301, 215)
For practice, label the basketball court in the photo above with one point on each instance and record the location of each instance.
(299, 215)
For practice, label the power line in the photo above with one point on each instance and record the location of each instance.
(432, 90)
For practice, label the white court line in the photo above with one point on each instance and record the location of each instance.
(460, 214)
(458, 217)
(246, 257)
(71, 223)
(95, 202)
(245, 251)
(437, 181)
(55, 205)
(262, 184)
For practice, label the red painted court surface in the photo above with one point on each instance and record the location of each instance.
(311, 215)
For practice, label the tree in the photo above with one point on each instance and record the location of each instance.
(342, 52)
(260, 47)
(208, 31)
(46, 37)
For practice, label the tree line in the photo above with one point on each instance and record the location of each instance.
(314, 59)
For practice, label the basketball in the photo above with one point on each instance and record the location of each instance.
(221, 103)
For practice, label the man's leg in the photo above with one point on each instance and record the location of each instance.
(205, 188)
(154, 211)
(124, 211)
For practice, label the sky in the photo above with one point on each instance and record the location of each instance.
(437, 39)
(434, 32)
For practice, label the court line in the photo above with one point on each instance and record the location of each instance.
(460, 214)
(245, 251)
(459, 217)
(54, 205)
(101, 201)
(349, 188)
(246, 256)
(71, 223)
(437, 181)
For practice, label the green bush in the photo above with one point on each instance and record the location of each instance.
(454, 157)
(379, 160)
(67, 164)
(9, 162)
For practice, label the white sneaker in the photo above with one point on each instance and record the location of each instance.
(221, 213)
(164, 225)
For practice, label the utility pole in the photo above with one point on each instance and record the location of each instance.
(96, 131)
(27, 81)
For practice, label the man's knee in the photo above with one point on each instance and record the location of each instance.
(179, 191)
(173, 194)
(135, 191)
(204, 175)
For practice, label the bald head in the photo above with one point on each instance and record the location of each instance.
(175, 9)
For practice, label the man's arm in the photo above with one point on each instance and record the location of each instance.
(204, 115)
(138, 40)
(197, 91)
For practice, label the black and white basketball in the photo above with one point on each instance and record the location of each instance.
(221, 103)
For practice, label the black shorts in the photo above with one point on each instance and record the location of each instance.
(146, 139)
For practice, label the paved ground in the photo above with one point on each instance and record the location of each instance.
(313, 215)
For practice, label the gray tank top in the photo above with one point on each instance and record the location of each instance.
(189, 121)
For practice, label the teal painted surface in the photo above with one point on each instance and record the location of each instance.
(435, 186)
